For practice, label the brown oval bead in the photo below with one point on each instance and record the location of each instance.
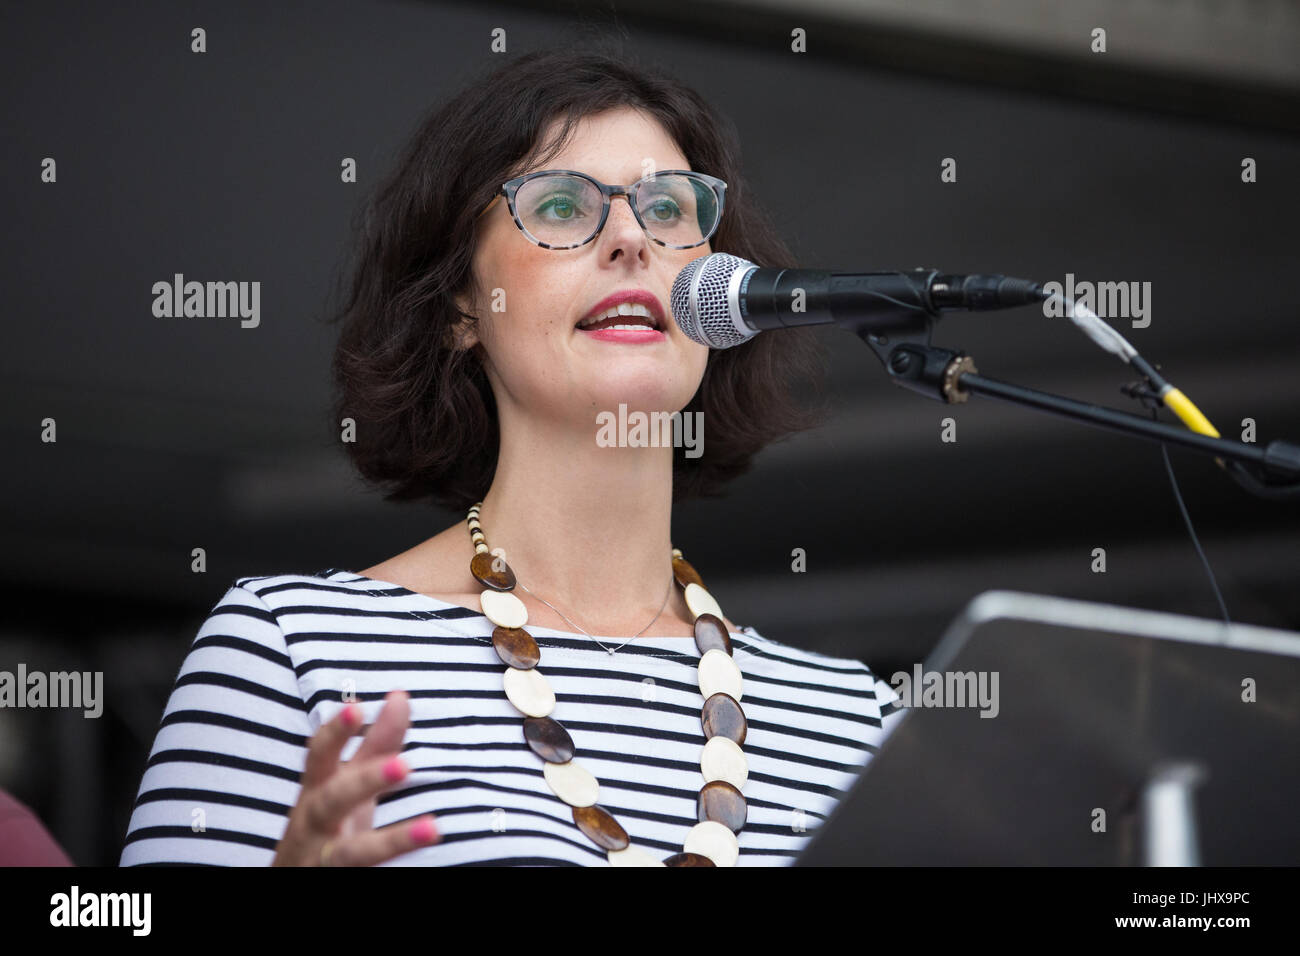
(484, 566)
(516, 647)
(685, 574)
(722, 803)
(711, 633)
(600, 828)
(548, 739)
(721, 716)
(689, 859)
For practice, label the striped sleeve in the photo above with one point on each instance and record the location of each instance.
(890, 706)
(224, 769)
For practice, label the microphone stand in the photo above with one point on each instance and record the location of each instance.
(950, 376)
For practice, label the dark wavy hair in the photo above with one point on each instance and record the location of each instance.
(426, 420)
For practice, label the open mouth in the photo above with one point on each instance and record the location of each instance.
(625, 316)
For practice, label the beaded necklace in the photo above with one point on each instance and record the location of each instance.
(722, 810)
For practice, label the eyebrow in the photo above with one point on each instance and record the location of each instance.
(624, 182)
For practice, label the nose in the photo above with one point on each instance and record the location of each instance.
(621, 226)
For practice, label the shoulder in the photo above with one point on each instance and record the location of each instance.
(334, 601)
(275, 590)
(848, 672)
(436, 565)
(246, 645)
(280, 598)
(841, 686)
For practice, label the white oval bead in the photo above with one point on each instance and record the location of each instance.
(701, 601)
(529, 691)
(714, 840)
(571, 783)
(717, 672)
(633, 856)
(503, 609)
(722, 759)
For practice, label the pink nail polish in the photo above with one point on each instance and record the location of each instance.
(423, 831)
(351, 715)
(395, 770)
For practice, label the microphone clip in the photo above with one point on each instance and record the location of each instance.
(1143, 393)
(914, 363)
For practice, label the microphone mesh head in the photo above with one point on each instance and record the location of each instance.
(701, 300)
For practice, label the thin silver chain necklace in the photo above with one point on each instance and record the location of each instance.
(611, 650)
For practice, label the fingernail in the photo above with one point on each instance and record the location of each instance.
(423, 831)
(395, 770)
(351, 715)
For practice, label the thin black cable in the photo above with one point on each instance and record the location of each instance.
(1187, 519)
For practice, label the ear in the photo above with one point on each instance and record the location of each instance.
(462, 334)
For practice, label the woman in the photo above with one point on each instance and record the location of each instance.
(469, 370)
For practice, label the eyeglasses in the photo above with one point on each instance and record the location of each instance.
(557, 208)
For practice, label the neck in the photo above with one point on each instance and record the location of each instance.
(587, 528)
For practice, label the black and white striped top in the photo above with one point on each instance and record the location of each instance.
(277, 654)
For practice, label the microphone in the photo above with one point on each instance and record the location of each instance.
(722, 300)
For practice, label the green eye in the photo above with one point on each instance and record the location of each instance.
(664, 210)
(564, 207)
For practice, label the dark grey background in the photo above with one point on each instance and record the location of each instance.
(183, 433)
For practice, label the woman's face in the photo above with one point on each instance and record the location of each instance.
(538, 362)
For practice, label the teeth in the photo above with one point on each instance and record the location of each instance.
(623, 308)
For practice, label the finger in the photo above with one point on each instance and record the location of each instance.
(386, 734)
(326, 745)
(376, 846)
(383, 739)
(355, 782)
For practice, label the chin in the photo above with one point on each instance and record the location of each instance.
(655, 395)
